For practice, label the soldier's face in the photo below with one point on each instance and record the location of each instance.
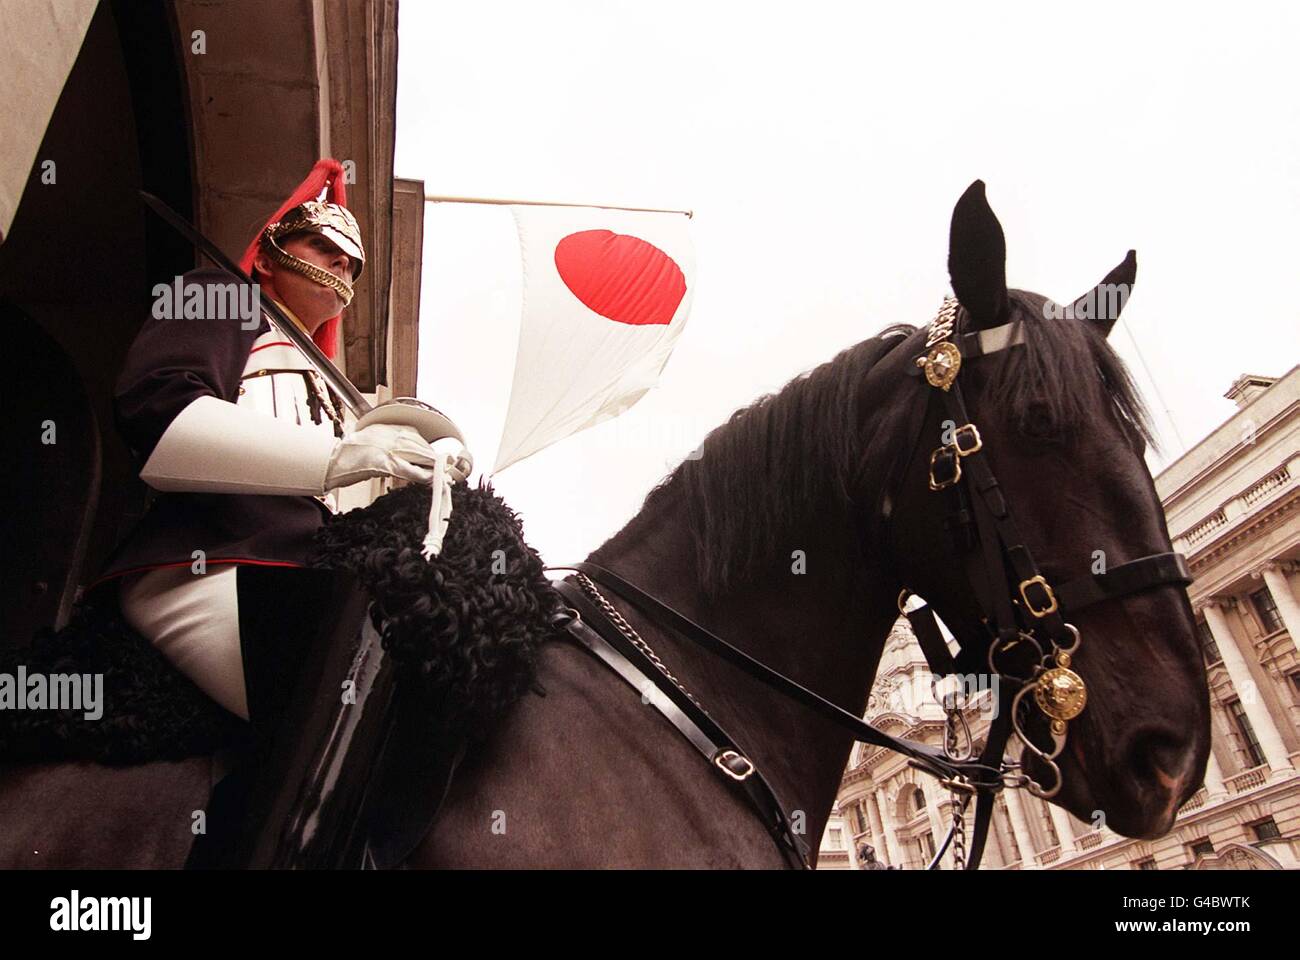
(311, 302)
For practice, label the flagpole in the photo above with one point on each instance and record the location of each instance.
(1154, 386)
(430, 198)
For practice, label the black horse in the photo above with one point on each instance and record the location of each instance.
(774, 539)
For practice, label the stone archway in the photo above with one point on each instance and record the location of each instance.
(78, 263)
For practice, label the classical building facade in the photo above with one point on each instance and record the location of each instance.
(1233, 507)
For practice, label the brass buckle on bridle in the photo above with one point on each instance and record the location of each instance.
(972, 434)
(945, 456)
(966, 440)
(1040, 612)
(725, 757)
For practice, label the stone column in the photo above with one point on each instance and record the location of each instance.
(1234, 661)
(877, 828)
(859, 814)
(1214, 785)
(1000, 833)
(1020, 827)
(887, 827)
(1275, 580)
(1064, 830)
(934, 798)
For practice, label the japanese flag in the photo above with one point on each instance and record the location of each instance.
(606, 294)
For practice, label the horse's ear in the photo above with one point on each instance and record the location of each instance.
(1103, 302)
(977, 258)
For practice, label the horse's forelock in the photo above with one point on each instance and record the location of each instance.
(1065, 372)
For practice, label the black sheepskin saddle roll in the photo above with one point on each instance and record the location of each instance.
(147, 709)
(463, 627)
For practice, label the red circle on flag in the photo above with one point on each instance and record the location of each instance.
(620, 277)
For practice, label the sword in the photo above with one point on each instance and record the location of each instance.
(432, 423)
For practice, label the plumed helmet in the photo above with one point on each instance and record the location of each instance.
(318, 205)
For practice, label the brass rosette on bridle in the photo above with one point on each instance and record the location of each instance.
(332, 221)
(943, 360)
(1060, 692)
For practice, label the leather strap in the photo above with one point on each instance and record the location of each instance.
(927, 757)
(691, 720)
(980, 343)
(1124, 580)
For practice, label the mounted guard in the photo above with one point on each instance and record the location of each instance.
(243, 428)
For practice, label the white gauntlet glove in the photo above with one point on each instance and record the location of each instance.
(217, 447)
(390, 450)
(213, 446)
(380, 450)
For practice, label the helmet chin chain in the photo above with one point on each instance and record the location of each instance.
(309, 270)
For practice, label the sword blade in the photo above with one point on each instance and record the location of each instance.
(344, 387)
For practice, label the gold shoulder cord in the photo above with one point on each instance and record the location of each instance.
(318, 402)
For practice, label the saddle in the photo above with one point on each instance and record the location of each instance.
(369, 675)
(349, 766)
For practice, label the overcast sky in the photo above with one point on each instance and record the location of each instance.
(821, 147)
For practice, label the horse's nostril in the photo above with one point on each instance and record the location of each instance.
(1161, 758)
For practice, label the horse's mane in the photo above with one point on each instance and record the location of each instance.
(797, 456)
(787, 458)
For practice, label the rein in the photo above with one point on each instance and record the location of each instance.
(1017, 619)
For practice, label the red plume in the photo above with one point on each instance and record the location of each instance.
(327, 175)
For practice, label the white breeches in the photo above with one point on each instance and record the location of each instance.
(193, 620)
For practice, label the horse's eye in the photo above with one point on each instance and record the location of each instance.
(1039, 424)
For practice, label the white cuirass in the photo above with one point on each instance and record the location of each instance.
(280, 381)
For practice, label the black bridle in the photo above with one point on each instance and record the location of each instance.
(1023, 624)
(1023, 616)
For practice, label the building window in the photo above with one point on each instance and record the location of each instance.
(925, 842)
(1266, 829)
(1148, 864)
(918, 800)
(1295, 681)
(1208, 647)
(1248, 739)
(837, 838)
(859, 818)
(1202, 848)
(1266, 610)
